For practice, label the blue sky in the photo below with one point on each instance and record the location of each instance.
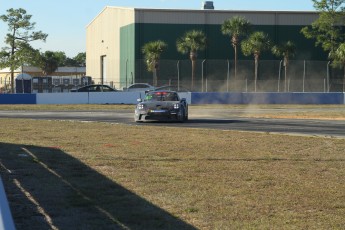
(65, 21)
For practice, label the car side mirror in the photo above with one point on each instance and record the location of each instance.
(183, 100)
(139, 100)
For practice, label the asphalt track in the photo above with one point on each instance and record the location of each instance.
(205, 118)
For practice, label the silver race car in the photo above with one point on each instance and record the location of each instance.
(162, 106)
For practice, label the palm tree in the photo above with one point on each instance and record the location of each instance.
(257, 43)
(339, 60)
(287, 51)
(192, 42)
(236, 27)
(152, 52)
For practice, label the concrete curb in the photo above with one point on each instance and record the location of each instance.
(6, 220)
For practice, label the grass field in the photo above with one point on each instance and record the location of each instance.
(77, 175)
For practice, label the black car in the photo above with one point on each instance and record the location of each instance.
(161, 105)
(95, 88)
(173, 88)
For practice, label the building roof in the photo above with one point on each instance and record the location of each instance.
(201, 16)
(36, 69)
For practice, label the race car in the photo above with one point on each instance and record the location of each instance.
(162, 106)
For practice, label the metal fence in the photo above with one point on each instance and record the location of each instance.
(219, 76)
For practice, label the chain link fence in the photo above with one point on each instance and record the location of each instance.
(219, 76)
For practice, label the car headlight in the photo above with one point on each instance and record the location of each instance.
(141, 106)
(176, 106)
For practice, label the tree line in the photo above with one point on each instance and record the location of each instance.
(327, 30)
(19, 52)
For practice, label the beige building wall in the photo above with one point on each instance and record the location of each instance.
(103, 40)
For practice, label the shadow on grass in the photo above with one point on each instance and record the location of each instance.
(215, 121)
(49, 189)
(194, 121)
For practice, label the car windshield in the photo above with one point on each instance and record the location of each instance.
(139, 86)
(161, 96)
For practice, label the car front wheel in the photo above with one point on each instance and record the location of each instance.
(182, 116)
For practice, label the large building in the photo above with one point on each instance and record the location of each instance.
(115, 38)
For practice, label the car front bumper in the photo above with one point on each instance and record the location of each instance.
(141, 115)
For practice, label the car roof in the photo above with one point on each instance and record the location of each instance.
(166, 91)
(93, 85)
(170, 87)
(141, 84)
(97, 85)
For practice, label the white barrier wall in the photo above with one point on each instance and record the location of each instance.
(95, 98)
(6, 220)
(61, 98)
(114, 98)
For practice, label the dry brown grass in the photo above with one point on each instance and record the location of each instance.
(66, 107)
(323, 112)
(103, 176)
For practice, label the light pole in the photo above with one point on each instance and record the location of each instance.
(202, 75)
(178, 75)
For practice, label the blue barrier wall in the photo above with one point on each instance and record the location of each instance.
(267, 98)
(18, 98)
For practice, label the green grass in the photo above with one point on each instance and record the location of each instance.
(138, 177)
